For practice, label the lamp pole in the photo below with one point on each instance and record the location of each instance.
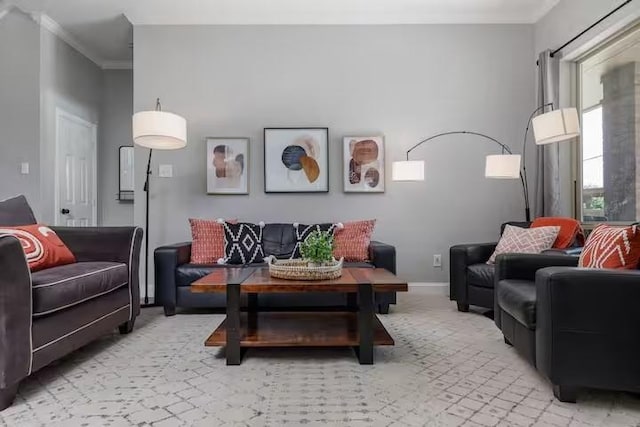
(146, 224)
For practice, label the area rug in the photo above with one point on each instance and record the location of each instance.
(447, 369)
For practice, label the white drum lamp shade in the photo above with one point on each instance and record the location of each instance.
(159, 130)
(556, 126)
(502, 166)
(407, 170)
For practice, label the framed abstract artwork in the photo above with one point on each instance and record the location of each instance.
(227, 165)
(363, 164)
(296, 160)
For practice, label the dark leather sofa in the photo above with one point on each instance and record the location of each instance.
(579, 327)
(471, 279)
(50, 313)
(174, 275)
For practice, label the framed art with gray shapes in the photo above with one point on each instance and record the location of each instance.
(363, 163)
(227, 165)
(296, 160)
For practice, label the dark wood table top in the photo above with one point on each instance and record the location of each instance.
(257, 280)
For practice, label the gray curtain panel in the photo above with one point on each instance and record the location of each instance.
(547, 188)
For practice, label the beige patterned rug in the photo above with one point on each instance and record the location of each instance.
(447, 368)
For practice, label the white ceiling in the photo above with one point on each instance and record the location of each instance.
(101, 26)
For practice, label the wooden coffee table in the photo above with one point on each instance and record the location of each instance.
(357, 327)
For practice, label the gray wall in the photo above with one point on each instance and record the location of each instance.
(70, 81)
(115, 130)
(19, 107)
(406, 82)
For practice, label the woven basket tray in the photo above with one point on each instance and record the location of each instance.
(298, 269)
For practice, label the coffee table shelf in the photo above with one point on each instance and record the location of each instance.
(299, 329)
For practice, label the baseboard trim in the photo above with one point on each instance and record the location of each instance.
(428, 284)
(436, 288)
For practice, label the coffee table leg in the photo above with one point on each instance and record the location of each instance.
(252, 312)
(365, 324)
(352, 301)
(233, 351)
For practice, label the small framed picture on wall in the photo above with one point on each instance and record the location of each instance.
(296, 160)
(363, 164)
(227, 165)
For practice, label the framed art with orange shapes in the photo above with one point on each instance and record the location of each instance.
(363, 164)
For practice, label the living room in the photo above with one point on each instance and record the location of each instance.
(299, 188)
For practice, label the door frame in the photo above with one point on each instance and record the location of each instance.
(60, 113)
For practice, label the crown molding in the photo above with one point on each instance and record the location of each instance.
(5, 8)
(56, 29)
(117, 65)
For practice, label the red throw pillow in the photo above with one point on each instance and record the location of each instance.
(42, 246)
(207, 245)
(570, 230)
(612, 247)
(352, 240)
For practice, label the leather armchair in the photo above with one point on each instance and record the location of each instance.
(579, 327)
(515, 302)
(588, 329)
(471, 279)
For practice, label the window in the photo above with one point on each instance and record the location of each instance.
(610, 146)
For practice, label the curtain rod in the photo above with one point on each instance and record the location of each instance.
(590, 27)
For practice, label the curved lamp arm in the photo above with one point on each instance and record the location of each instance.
(458, 132)
(504, 147)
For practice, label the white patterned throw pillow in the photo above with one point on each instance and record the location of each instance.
(517, 240)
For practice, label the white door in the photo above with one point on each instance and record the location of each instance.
(76, 187)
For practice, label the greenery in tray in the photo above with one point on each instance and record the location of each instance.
(318, 247)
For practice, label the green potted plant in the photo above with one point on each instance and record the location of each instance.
(317, 249)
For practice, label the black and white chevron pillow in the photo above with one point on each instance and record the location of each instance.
(303, 231)
(243, 243)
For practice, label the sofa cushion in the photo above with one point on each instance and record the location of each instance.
(524, 241)
(279, 240)
(481, 275)
(352, 240)
(61, 287)
(243, 243)
(518, 298)
(207, 240)
(612, 247)
(16, 211)
(42, 246)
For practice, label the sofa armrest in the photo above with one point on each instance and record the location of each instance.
(588, 324)
(460, 257)
(113, 244)
(167, 259)
(15, 313)
(383, 255)
(525, 266)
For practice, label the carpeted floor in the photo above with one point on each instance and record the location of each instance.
(447, 368)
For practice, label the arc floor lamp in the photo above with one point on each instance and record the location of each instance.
(553, 126)
(156, 130)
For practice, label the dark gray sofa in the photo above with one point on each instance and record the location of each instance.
(174, 275)
(50, 313)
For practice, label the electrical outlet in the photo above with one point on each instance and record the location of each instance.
(437, 260)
